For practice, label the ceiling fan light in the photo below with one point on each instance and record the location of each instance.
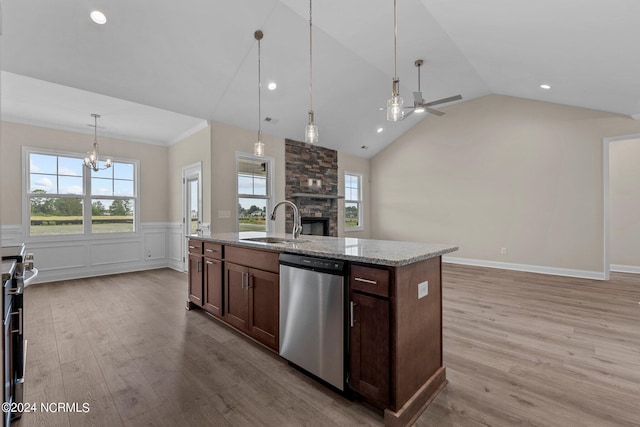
(419, 109)
(395, 108)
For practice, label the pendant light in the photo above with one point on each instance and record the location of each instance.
(311, 130)
(395, 105)
(91, 160)
(258, 147)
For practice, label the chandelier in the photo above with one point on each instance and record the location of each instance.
(91, 160)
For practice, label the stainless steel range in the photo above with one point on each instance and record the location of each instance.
(17, 272)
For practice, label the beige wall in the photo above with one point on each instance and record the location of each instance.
(193, 149)
(624, 202)
(225, 142)
(348, 163)
(500, 172)
(154, 199)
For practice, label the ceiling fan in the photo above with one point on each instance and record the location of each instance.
(419, 104)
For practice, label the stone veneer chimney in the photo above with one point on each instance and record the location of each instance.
(305, 162)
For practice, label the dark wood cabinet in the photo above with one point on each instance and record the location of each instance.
(264, 303)
(252, 301)
(369, 356)
(213, 279)
(196, 272)
(213, 286)
(369, 348)
(236, 299)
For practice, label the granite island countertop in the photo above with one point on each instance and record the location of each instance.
(381, 252)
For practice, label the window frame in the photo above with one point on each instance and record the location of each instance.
(86, 197)
(359, 201)
(269, 187)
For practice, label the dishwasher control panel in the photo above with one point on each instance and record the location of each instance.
(312, 263)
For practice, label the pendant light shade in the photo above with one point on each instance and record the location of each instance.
(311, 130)
(258, 146)
(395, 104)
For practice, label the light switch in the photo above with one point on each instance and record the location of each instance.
(423, 289)
(224, 214)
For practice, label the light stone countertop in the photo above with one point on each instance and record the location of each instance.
(380, 252)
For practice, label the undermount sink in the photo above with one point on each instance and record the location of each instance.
(273, 240)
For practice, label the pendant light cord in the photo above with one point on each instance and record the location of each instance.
(395, 39)
(259, 95)
(310, 58)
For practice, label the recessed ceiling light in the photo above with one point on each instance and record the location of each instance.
(545, 86)
(381, 108)
(98, 17)
(380, 130)
(272, 86)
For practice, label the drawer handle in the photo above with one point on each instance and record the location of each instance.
(191, 247)
(211, 250)
(360, 279)
(209, 262)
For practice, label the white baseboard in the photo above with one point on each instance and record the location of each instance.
(584, 274)
(625, 268)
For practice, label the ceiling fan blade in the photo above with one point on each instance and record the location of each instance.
(435, 112)
(408, 113)
(417, 97)
(443, 101)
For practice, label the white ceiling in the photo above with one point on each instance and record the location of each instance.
(159, 69)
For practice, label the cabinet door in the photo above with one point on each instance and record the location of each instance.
(369, 348)
(236, 295)
(195, 279)
(213, 286)
(264, 303)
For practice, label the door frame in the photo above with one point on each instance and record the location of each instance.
(606, 142)
(189, 172)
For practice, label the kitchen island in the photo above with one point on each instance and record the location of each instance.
(394, 332)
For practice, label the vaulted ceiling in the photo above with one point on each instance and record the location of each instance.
(158, 70)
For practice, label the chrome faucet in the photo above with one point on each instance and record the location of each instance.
(297, 226)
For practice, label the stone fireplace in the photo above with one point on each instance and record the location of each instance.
(311, 182)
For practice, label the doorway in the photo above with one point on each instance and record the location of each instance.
(191, 205)
(610, 232)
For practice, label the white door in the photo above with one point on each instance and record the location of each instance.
(192, 205)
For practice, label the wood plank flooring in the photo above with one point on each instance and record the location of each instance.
(520, 349)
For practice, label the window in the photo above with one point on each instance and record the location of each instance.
(64, 197)
(254, 193)
(352, 202)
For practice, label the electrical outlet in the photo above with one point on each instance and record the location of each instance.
(148, 254)
(503, 251)
(423, 289)
(224, 214)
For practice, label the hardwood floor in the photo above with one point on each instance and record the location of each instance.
(520, 349)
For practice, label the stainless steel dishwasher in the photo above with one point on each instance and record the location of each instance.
(312, 304)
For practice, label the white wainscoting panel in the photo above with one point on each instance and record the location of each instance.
(155, 245)
(104, 253)
(61, 256)
(175, 240)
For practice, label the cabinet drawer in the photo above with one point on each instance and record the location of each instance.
(212, 250)
(369, 279)
(262, 260)
(195, 246)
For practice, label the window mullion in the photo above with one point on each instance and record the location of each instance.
(87, 200)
